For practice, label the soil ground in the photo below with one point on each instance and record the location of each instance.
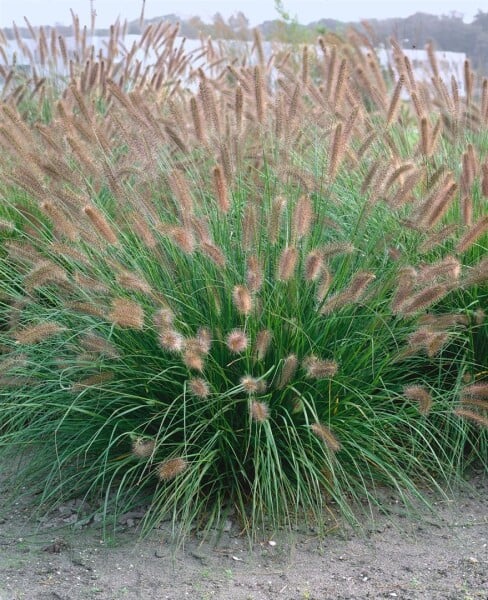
(440, 555)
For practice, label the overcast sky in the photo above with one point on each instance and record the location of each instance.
(51, 11)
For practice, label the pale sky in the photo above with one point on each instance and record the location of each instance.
(48, 12)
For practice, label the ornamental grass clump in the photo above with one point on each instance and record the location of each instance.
(240, 283)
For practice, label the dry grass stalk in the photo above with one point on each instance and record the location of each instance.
(61, 223)
(214, 253)
(249, 227)
(259, 93)
(336, 153)
(425, 137)
(395, 101)
(324, 284)
(45, 273)
(448, 268)
(92, 381)
(313, 265)
(96, 344)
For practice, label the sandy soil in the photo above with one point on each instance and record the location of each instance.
(440, 556)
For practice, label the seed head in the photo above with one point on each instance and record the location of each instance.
(163, 318)
(250, 384)
(319, 369)
(242, 299)
(302, 217)
(127, 313)
(287, 263)
(259, 411)
(193, 360)
(199, 387)
(313, 265)
(290, 366)
(171, 340)
(37, 333)
(143, 448)
(204, 340)
(471, 415)
(171, 468)
(237, 341)
(476, 390)
(254, 274)
(100, 223)
(263, 340)
(325, 434)
(419, 394)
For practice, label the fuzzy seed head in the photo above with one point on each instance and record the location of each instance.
(476, 390)
(237, 341)
(290, 366)
(250, 384)
(313, 265)
(242, 299)
(263, 340)
(420, 395)
(37, 333)
(325, 434)
(302, 217)
(171, 468)
(473, 416)
(163, 318)
(193, 360)
(287, 263)
(204, 340)
(171, 340)
(143, 448)
(100, 224)
(127, 313)
(199, 387)
(319, 369)
(259, 411)
(254, 275)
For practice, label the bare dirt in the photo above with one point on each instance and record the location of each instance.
(440, 555)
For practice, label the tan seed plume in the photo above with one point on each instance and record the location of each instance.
(171, 468)
(37, 333)
(127, 313)
(259, 411)
(100, 224)
(420, 395)
(325, 434)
